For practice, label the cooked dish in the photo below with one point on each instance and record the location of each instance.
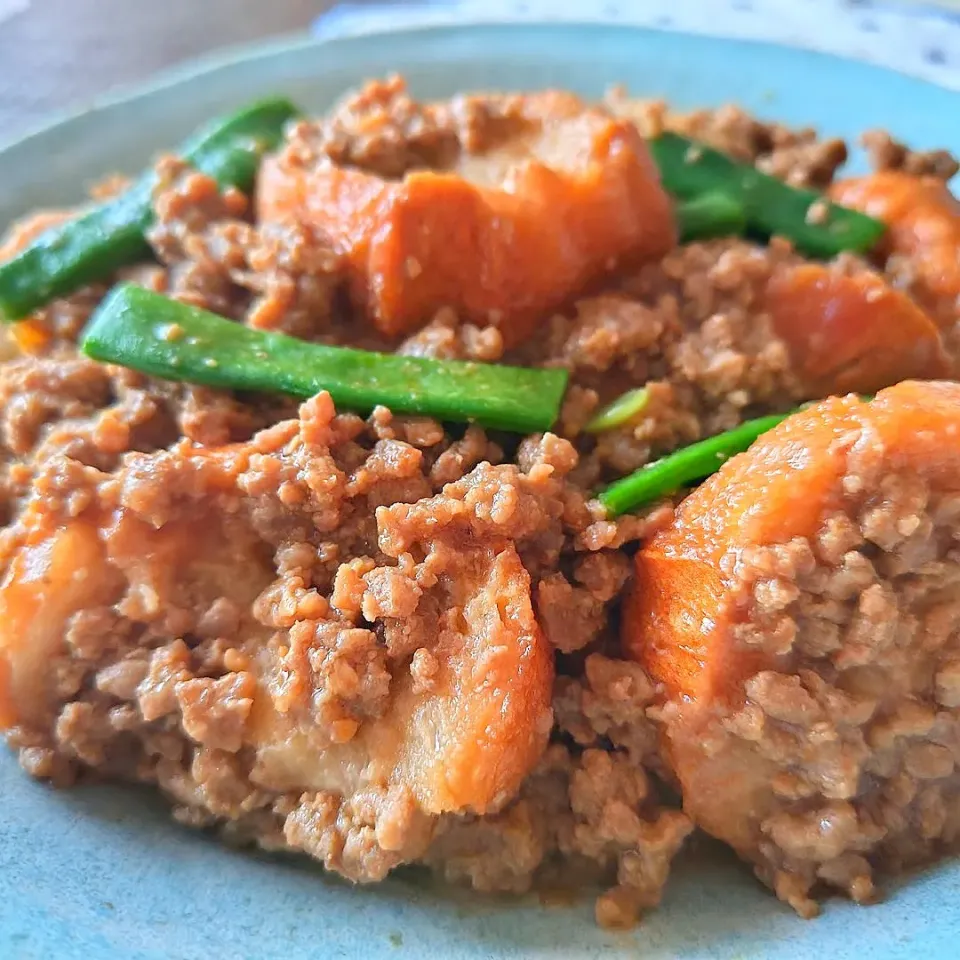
(509, 486)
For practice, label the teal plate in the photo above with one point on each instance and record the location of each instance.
(102, 874)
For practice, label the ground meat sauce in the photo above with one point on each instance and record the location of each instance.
(817, 735)
(286, 613)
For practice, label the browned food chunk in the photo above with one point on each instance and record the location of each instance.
(179, 605)
(887, 153)
(504, 236)
(923, 239)
(851, 333)
(801, 612)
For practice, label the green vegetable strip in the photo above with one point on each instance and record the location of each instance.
(710, 215)
(627, 406)
(690, 170)
(682, 468)
(111, 234)
(145, 331)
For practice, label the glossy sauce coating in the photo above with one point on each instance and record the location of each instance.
(506, 236)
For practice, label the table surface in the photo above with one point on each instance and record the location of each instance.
(56, 54)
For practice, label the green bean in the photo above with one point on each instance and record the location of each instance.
(145, 331)
(815, 225)
(710, 215)
(622, 410)
(92, 246)
(683, 467)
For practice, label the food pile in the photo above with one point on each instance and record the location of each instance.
(507, 485)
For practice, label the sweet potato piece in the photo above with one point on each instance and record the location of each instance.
(489, 712)
(923, 220)
(504, 238)
(799, 612)
(851, 333)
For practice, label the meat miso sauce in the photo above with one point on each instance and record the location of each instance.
(510, 485)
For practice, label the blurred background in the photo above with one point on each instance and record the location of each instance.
(58, 54)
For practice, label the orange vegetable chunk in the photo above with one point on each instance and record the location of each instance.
(504, 237)
(800, 613)
(923, 221)
(461, 740)
(851, 333)
(23, 232)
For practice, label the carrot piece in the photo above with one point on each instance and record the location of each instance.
(851, 333)
(923, 220)
(30, 336)
(505, 238)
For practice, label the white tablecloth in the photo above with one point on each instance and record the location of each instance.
(919, 38)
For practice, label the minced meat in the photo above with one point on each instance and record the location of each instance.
(384, 640)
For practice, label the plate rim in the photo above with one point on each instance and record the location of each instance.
(231, 55)
(227, 58)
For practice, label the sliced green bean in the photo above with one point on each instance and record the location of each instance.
(710, 215)
(683, 467)
(622, 410)
(110, 235)
(145, 331)
(815, 225)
